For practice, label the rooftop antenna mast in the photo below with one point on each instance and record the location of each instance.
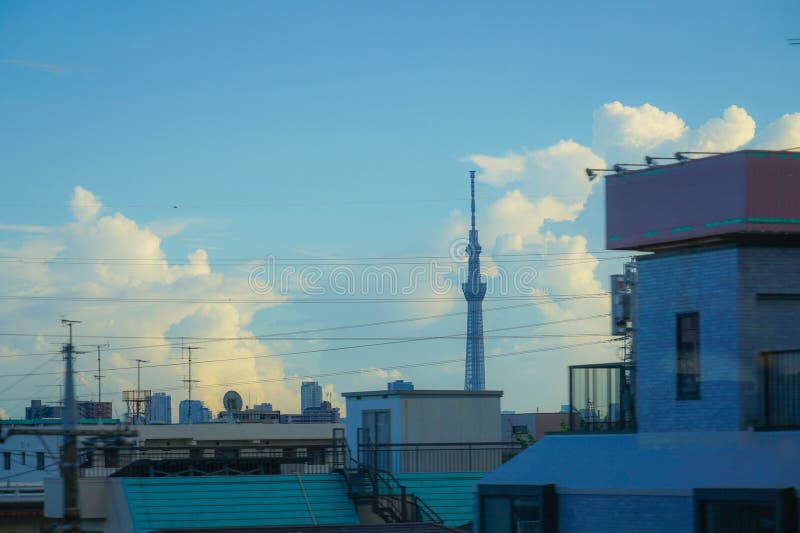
(99, 378)
(189, 381)
(138, 400)
(69, 461)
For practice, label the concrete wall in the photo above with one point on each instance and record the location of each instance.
(30, 445)
(429, 418)
(356, 407)
(443, 419)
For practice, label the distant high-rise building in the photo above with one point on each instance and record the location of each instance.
(159, 410)
(94, 410)
(310, 395)
(400, 385)
(38, 410)
(324, 413)
(474, 291)
(198, 413)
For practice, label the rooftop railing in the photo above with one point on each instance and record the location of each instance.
(601, 397)
(438, 457)
(204, 461)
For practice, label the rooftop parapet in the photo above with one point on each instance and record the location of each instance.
(735, 197)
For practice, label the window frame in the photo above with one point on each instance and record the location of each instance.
(782, 500)
(545, 495)
(681, 392)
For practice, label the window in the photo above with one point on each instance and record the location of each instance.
(517, 508)
(688, 363)
(86, 457)
(22, 458)
(39, 460)
(519, 430)
(111, 457)
(6, 460)
(745, 510)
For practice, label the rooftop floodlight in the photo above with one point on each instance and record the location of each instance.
(593, 172)
(651, 161)
(681, 156)
(619, 168)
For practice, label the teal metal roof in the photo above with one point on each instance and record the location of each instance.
(447, 493)
(231, 501)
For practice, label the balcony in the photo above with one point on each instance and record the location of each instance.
(601, 397)
(781, 389)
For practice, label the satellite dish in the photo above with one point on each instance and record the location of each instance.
(232, 401)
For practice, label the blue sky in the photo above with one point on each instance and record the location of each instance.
(316, 129)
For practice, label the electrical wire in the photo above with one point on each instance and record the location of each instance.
(369, 370)
(268, 336)
(458, 336)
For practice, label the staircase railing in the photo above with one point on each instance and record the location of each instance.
(389, 498)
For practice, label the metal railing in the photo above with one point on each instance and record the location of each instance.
(388, 498)
(781, 389)
(438, 457)
(205, 461)
(601, 397)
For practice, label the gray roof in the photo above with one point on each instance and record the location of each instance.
(419, 393)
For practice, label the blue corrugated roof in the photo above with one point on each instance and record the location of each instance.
(183, 502)
(447, 493)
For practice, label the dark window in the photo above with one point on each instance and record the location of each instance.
(86, 458)
(688, 363)
(22, 458)
(518, 508)
(6, 460)
(111, 457)
(519, 430)
(39, 460)
(745, 510)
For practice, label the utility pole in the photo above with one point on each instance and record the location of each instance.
(189, 382)
(99, 378)
(69, 461)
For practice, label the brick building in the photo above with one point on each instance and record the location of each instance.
(715, 380)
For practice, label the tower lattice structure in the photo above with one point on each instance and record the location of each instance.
(474, 291)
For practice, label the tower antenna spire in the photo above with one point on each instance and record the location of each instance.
(474, 290)
(472, 193)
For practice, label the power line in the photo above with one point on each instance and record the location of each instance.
(257, 301)
(267, 336)
(458, 336)
(372, 369)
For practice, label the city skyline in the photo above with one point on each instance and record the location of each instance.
(154, 170)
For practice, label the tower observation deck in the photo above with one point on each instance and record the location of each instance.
(474, 291)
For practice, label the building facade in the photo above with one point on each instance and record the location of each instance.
(323, 414)
(193, 412)
(159, 410)
(94, 409)
(716, 366)
(310, 395)
(39, 411)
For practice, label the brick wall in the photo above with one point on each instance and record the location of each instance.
(681, 282)
(620, 514)
(721, 284)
